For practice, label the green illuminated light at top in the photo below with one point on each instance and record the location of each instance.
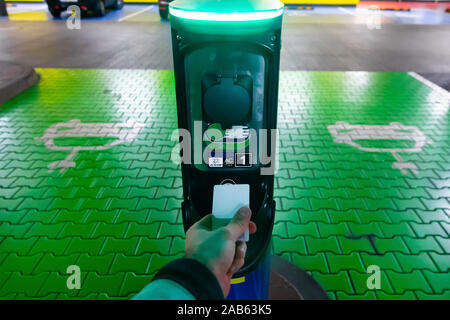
(226, 16)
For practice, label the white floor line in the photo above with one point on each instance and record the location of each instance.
(347, 11)
(430, 84)
(136, 13)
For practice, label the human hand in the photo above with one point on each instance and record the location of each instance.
(219, 249)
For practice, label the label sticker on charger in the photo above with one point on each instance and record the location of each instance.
(215, 162)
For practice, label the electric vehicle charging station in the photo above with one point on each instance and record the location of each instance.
(226, 60)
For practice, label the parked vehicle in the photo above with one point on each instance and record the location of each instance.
(95, 7)
(164, 8)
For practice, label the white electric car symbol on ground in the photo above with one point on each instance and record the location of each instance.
(353, 135)
(122, 132)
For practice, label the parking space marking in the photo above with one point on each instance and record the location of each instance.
(136, 13)
(347, 11)
(430, 84)
(341, 206)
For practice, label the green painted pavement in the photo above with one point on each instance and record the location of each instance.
(115, 211)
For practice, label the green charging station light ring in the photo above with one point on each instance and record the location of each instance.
(225, 16)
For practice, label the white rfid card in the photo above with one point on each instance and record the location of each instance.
(227, 200)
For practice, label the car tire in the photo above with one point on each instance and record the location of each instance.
(118, 4)
(100, 10)
(55, 13)
(164, 14)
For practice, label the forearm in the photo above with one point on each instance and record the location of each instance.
(182, 279)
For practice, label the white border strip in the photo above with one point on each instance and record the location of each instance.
(430, 84)
(25, 9)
